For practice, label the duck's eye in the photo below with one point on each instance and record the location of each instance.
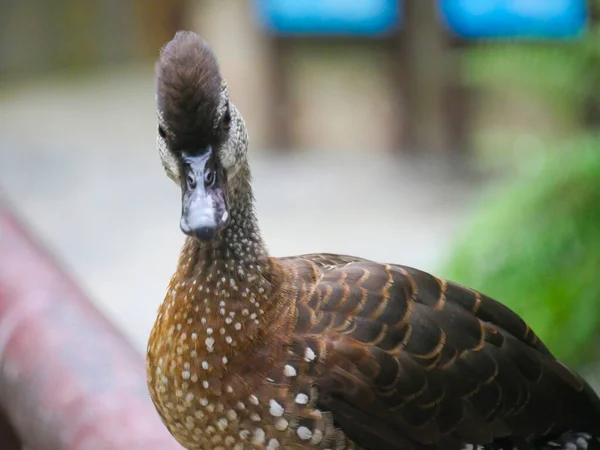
(226, 121)
(161, 132)
(210, 177)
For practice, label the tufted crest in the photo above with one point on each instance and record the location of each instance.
(188, 87)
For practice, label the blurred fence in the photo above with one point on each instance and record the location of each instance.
(41, 35)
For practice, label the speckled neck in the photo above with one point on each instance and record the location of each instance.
(227, 294)
(237, 255)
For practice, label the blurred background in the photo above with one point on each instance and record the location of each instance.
(456, 136)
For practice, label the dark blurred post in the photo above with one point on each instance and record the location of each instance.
(281, 107)
(424, 77)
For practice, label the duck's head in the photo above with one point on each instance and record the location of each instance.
(202, 139)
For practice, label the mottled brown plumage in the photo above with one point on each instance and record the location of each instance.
(328, 351)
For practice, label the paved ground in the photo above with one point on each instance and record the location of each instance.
(79, 162)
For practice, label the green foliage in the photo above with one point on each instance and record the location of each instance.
(535, 246)
(534, 243)
(561, 78)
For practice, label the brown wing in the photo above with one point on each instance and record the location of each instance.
(401, 357)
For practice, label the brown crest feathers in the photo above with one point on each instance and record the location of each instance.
(188, 84)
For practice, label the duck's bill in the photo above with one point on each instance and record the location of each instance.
(203, 204)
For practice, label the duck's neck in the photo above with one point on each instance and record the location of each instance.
(227, 293)
(238, 253)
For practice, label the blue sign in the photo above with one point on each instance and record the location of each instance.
(327, 17)
(515, 18)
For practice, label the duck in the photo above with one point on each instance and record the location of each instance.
(326, 351)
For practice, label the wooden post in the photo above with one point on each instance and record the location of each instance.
(423, 73)
(279, 109)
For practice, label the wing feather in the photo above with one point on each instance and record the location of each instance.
(404, 359)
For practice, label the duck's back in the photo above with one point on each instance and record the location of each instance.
(397, 358)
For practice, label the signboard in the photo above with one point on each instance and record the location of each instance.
(328, 17)
(515, 18)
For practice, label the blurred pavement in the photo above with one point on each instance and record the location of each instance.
(78, 160)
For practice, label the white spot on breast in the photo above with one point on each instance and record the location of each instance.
(273, 445)
(185, 374)
(259, 436)
(281, 424)
(317, 437)
(244, 434)
(231, 415)
(302, 399)
(222, 424)
(255, 417)
(289, 371)
(254, 399)
(309, 354)
(275, 409)
(304, 433)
